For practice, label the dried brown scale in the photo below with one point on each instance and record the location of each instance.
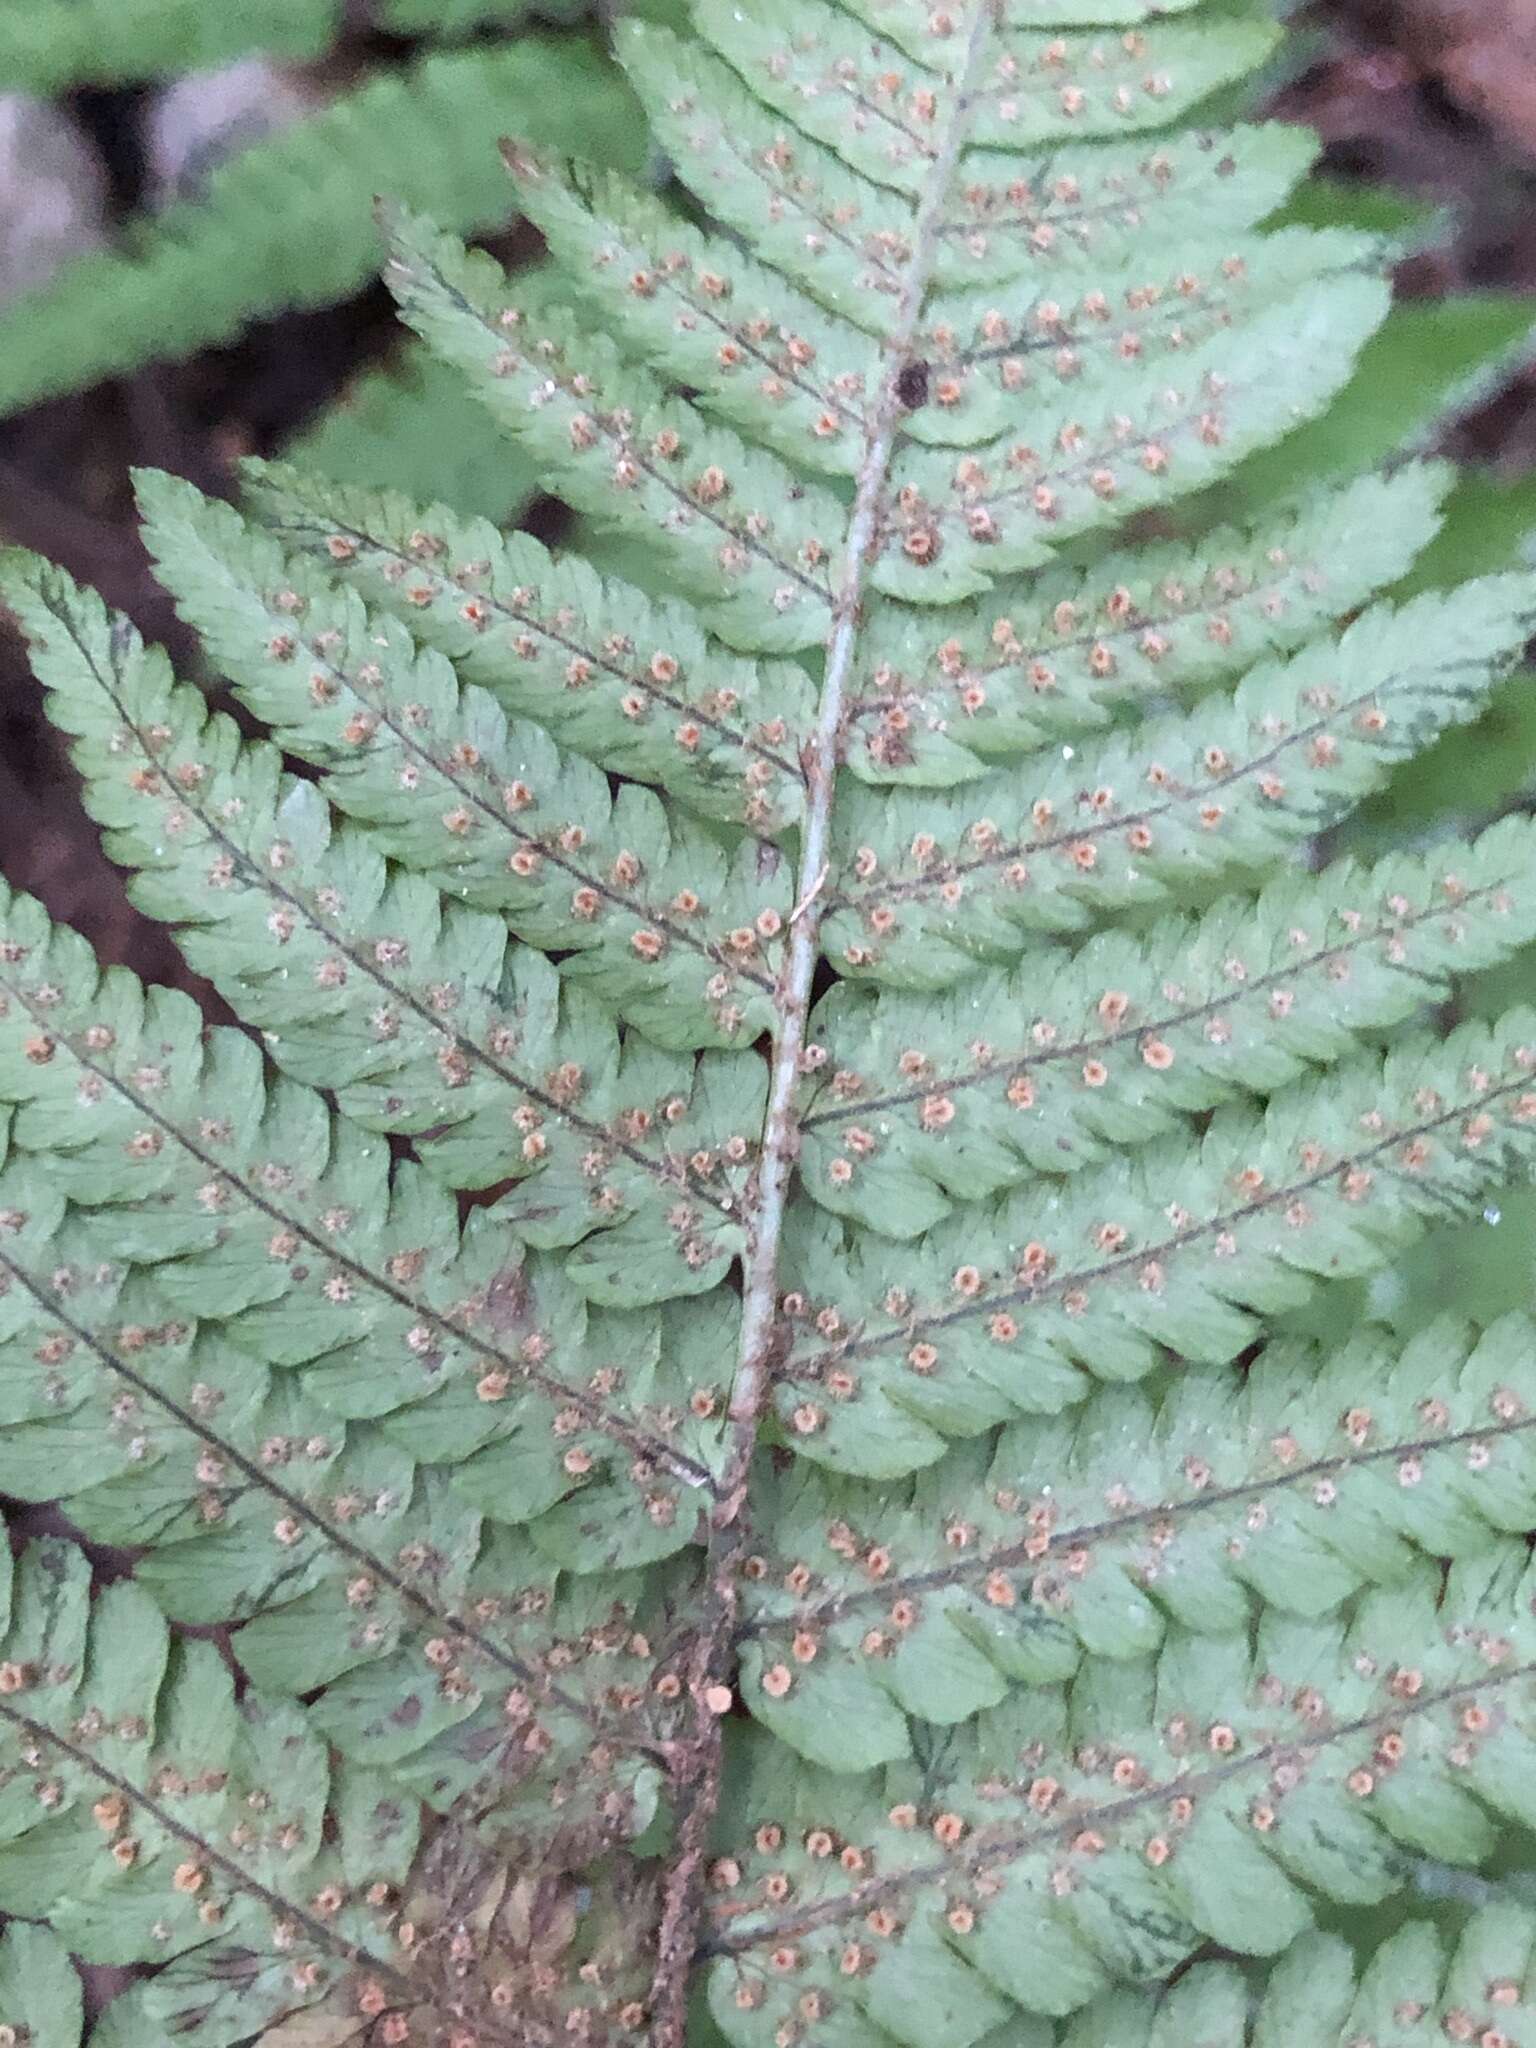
(499, 1950)
(1024, 1552)
(1072, 1050)
(816, 1367)
(1085, 834)
(1083, 1818)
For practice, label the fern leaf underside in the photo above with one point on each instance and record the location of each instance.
(719, 1346)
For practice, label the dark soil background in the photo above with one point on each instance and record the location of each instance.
(1435, 97)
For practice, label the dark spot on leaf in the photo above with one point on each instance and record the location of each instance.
(912, 385)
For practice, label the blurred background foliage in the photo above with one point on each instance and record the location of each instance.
(187, 260)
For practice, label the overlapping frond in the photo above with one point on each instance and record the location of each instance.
(741, 532)
(491, 811)
(60, 43)
(926, 886)
(153, 1814)
(260, 1210)
(289, 222)
(450, 1646)
(1097, 1529)
(158, 1816)
(1209, 1795)
(410, 425)
(421, 1012)
(1019, 1305)
(630, 684)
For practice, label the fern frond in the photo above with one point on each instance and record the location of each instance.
(854, 1433)
(738, 529)
(1097, 1530)
(942, 697)
(151, 1814)
(59, 43)
(768, 357)
(1008, 1308)
(880, 106)
(630, 684)
(339, 1563)
(259, 1210)
(289, 222)
(954, 525)
(926, 886)
(986, 346)
(1044, 661)
(704, 312)
(1210, 1795)
(848, 239)
(909, 1111)
(493, 812)
(734, 525)
(448, 1030)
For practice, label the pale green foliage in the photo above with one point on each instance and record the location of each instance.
(412, 425)
(1416, 1989)
(460, 17)
(50, 44)
(748, 1342)
(38, 1989)
(140, 1762)
(288, 222)
(1313, 1475)
(1134, 1888)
